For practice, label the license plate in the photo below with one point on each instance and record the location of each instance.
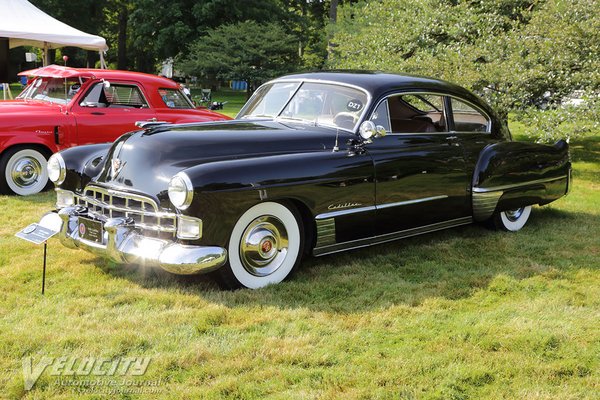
(91, 230)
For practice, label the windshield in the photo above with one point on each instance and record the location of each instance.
(323, 104)
(53, 90)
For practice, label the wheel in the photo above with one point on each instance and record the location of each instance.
(265, 246)
(512, 220)
(23, 171)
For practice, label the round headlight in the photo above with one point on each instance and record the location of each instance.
(181, 191)
(57, 171)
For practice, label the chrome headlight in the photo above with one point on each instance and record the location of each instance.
(57, 171)
(181, 191)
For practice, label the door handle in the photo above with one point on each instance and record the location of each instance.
(451, 137)
(97, 113)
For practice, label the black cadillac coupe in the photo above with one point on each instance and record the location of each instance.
(315, 164)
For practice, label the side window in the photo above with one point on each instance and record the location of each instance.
(417, 113)
(174, 98)
(114, 96)
(124, 96)
(467, 118)
(381, 116)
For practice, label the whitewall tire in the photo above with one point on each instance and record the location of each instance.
(512, 220)
(265, 246)
(24, 171)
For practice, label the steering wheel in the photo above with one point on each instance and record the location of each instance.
(345, 120)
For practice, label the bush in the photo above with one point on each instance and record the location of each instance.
(563, 122)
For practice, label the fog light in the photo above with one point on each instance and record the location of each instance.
(64, 198)
(189, 228)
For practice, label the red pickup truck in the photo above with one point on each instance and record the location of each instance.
(63, 107)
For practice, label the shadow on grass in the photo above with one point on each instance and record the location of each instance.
(451, 264)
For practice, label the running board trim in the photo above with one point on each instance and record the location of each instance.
(388, 237)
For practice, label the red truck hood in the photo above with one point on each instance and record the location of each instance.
(28, 106)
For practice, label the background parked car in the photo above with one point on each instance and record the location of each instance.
(63, 107)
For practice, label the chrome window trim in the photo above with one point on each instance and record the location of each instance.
(489, 119)
(339, 213)
(323, 81)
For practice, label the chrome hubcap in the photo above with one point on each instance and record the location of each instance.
(264, 246)
(514, 215)
(26, 172)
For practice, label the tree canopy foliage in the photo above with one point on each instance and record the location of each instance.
(246, 51)
(514, 52)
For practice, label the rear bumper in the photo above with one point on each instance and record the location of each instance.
(122, 243)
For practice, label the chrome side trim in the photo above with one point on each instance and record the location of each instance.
(325, 232)
(414, 201)
(517, 185)
(484, 204)
(355, 244)
(339, 213)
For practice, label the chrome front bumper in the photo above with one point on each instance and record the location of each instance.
(123, 244)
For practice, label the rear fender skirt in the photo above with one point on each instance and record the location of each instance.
(510, 175)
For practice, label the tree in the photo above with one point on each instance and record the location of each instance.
(510, 51)
(246, 51)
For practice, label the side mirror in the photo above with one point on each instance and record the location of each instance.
(368, 130)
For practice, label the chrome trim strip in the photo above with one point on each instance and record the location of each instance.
(339, 213)
(517, 185)
(415, 201)
(325, 232)
(355, 244)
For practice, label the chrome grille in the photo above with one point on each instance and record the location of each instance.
(144, 211)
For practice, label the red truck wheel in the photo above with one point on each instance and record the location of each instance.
(23, 171)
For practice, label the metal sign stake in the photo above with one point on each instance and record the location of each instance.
(44, 270)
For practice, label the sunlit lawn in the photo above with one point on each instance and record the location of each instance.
(463, 314)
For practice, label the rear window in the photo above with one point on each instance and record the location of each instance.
(174, 98)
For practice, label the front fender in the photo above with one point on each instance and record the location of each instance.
(510, 175)
(224, 190)
(83, 163)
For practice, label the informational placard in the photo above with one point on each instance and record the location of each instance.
(35, 233)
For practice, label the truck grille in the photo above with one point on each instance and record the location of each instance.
(109, 203)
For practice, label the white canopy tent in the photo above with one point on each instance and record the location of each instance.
(26, 25)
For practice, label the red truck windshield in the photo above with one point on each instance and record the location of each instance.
(53, 90)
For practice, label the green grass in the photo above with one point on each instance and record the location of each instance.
(466, 313)
(234, 99)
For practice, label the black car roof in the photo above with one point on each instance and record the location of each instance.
(379, 83)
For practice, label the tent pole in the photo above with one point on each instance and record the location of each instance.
(102, 62)
(45, 62)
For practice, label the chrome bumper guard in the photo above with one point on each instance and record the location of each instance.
(123, 244)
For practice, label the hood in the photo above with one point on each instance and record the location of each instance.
(149, 159)
(12, 107)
